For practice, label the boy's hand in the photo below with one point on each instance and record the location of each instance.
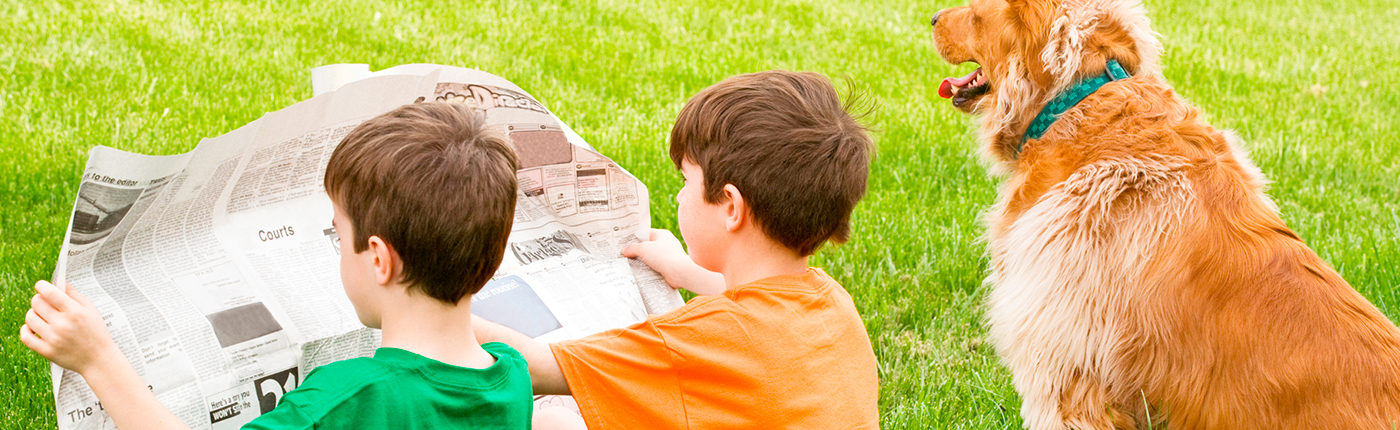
(663, 253)
(66, 328)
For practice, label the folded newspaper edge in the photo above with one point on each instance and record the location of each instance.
(217, 274)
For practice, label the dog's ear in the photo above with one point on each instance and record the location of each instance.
(1126, 35)
(1032, 19)
(1024, 3)
(1065, 37)
(1112, 42)
(1083, 34)
(1032, 14)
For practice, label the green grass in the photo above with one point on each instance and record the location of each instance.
(1311, 87)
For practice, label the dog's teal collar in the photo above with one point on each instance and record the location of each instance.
(1068, 99)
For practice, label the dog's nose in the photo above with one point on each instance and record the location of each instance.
(934, 22)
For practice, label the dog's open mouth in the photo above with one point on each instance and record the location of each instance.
(966, 89)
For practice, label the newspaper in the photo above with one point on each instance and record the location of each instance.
(217, 271)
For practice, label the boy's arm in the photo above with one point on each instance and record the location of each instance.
(545, 375)
(66, 328)
(663, 254)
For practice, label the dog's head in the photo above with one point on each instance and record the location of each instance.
(1031, 50)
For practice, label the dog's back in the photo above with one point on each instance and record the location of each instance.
(1144, 236)
(1270, 336)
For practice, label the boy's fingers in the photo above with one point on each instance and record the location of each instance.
(631, 250)
(32, 341)
(54, 296)
(37, 325)
(41, 306)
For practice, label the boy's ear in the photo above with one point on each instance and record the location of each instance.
(736, 210)
(386, 261)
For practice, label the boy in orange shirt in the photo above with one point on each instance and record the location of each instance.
(773, 167)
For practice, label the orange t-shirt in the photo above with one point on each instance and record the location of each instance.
(787, 352)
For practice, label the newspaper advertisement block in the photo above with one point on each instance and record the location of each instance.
(217, 271)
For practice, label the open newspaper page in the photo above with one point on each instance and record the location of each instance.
(217, 270)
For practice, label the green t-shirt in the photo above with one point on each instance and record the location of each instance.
(401, 390)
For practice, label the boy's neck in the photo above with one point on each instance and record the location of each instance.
(430, 328)
(756, 258)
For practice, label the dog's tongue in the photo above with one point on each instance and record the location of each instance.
(946, 89)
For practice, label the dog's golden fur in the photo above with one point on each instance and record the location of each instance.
(1139, 274)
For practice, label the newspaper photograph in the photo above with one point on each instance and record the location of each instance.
(217, 271)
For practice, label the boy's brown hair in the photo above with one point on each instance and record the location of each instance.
(790, 146)
(434, 184)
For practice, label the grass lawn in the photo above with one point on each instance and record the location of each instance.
(1313, 88)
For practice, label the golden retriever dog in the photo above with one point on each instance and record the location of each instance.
(1140, 277)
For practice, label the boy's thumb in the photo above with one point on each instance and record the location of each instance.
(631, 251)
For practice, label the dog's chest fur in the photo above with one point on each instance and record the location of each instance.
(1067, 277)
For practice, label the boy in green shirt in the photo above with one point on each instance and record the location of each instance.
(428, 197)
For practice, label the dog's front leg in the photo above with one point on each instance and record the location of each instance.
(1085, 405)
(1072, 401)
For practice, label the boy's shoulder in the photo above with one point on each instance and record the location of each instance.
(395, 382)
(325, 389)
(389, 365)
(354, 371)
(814, 280)
(330, 386)
(344, 378)
(812, 291)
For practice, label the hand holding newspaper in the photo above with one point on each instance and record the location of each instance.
(216, 271)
